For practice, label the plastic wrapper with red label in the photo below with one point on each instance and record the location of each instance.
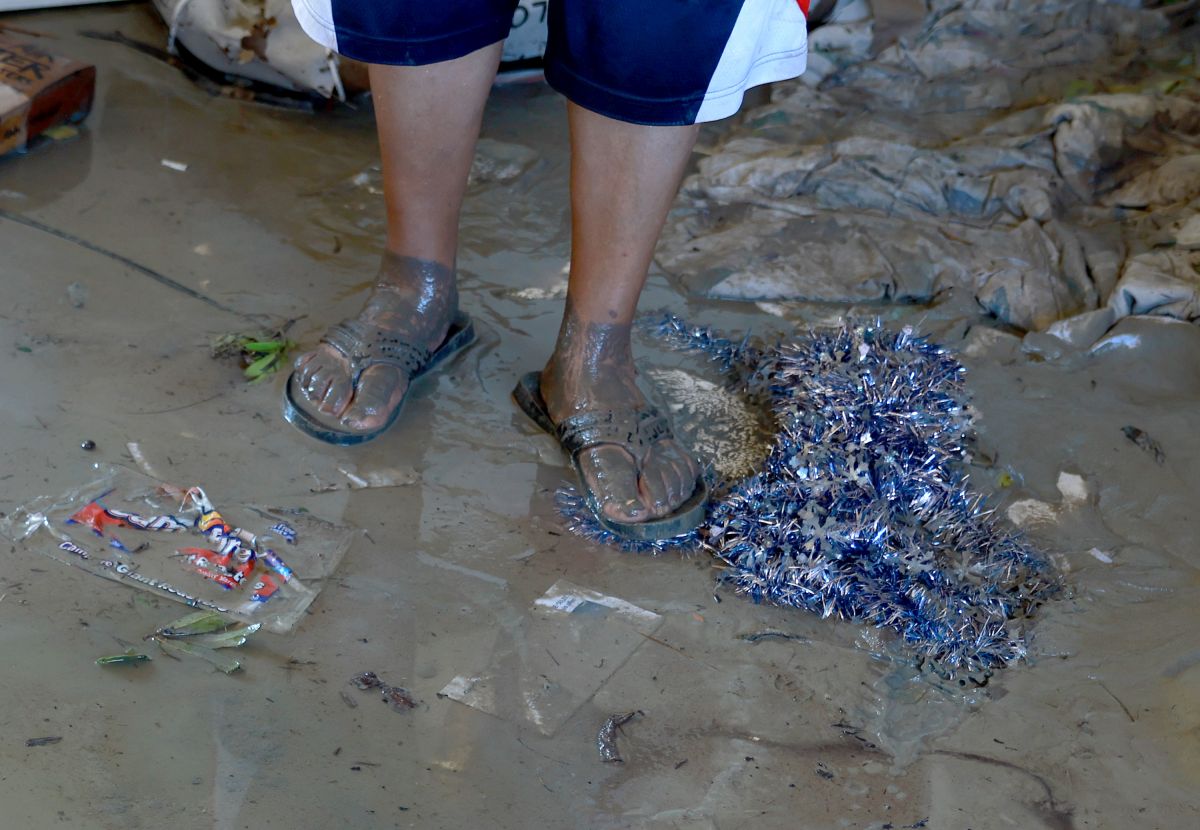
(264, 589)
(172, 541)
(94, 515)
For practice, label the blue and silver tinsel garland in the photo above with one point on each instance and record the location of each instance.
(861, 508)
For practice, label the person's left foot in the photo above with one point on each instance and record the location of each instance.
(592, 371)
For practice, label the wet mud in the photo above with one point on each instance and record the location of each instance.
(828, 727)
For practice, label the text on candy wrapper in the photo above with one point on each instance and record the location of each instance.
(71, 547)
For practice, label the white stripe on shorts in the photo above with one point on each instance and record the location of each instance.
(316, 19)
(769, 42)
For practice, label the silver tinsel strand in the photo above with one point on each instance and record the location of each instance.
(861, 509)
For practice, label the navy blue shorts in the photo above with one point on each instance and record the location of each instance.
(657, 62)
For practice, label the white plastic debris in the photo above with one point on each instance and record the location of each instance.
(1030, 512)
(139, 458)
(1073, 487)
(1101, 555)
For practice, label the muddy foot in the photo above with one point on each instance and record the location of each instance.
(592, 371)
(415, 300)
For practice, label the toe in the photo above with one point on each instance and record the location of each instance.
(302, 361)
(338, 396)
(318, 388)
(676, 468)
(306, 365)
(687, 470)
(655, 487)
(379, 392)
(611, 473)
(336, 393)
(313, 374)
(323, 379)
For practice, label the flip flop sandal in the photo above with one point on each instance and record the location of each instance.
(637, 428)
(364, 346)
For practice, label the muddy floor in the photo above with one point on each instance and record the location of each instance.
(275, 217)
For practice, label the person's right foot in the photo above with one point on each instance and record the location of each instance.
(414, 300)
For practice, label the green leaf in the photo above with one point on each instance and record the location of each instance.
(261, 366)
(129, 658)
(264, 346)
(232, 638)
(225, 664)
(201, 622)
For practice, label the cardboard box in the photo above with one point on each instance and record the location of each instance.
(39, 90)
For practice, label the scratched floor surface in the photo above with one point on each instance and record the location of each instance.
(275, 218)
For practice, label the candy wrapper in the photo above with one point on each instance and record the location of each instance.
(177, 543)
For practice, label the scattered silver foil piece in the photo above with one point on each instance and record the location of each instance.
(606, 738)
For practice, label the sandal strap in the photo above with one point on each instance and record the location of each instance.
(365, 346)
(636, 429)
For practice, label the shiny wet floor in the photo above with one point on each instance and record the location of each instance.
(275, 216)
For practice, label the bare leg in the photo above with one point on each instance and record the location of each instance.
(428, 119)
(623, 180)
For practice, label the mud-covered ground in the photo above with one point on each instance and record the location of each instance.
(275, 216)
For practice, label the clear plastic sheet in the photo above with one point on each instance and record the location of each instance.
(294, 552)
(540, 673)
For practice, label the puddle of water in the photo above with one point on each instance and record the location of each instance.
(1099, 729)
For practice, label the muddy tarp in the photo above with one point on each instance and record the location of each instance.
(1040, 161)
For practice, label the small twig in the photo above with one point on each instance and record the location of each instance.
(177, 408)
(676, 649)
(1120, 703)
(770, 633)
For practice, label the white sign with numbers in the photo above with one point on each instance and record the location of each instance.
(527, 38)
